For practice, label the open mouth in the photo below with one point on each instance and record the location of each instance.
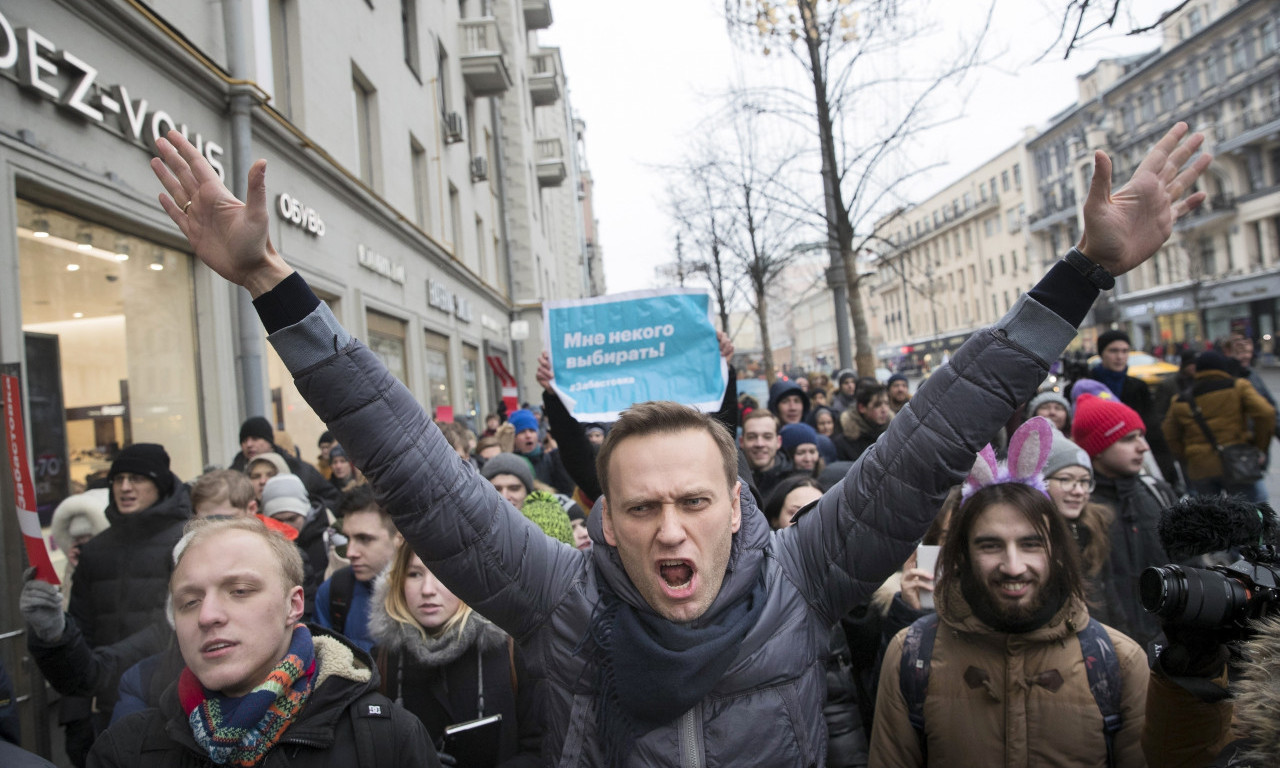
(1014, 588)
(216, 647)
(677, 577)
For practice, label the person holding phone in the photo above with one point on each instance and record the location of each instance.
(439, 659)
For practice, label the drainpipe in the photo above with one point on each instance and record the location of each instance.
(250, 351)
(499, 172)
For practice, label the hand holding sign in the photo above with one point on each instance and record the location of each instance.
(607, 353)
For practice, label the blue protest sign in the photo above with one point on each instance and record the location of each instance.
(610, 352)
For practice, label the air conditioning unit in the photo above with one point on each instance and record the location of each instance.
(479, 168)
(452, 128)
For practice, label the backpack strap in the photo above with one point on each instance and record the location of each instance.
(913, 672)
(1103, 669)
(375, 733)
(342, 585)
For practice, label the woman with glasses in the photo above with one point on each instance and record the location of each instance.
(1068, 476)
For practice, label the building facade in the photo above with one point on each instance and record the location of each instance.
(417, 163)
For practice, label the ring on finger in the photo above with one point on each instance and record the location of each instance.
(188, 205)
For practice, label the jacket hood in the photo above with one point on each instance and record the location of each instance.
(398, 637)
(955, 611)
(89, 507)
(781, 389)
(1257, 694)
(745, 558)
(175, 506)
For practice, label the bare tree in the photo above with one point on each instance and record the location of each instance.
(1083, 19)
(696, 206)
(840, 44)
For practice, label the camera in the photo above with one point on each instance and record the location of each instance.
(1222, 597)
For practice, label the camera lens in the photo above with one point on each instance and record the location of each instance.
(1192, 597)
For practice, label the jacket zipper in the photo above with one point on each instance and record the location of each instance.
(690, 732)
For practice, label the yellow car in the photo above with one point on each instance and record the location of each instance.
(1151, 370)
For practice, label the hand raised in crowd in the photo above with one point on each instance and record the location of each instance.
(1124, 229)
(227, 235)
(726, 346)
(544, 375)
(914, 581)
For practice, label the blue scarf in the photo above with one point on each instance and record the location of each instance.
(1114, 380)
(663, 667)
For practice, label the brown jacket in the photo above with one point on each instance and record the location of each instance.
(1228, 405)
(994, 699)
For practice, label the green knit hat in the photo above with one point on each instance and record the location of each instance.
(545, 511)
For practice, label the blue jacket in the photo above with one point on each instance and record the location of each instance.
(357, 624)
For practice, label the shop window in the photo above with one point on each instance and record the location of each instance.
(109, 326)
(471, 383)
(386, 340)
(440, 389)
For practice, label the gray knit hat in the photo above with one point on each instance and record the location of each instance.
(1064, 453)
(509, 464)
(285, 493)
(1047, 397)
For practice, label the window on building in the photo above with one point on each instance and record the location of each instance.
(108, 333)
(1189, 82)
(968, 237)
(1208, 260)
(439, 384)
(1196, 19)
(1164, 93)
(421, 181)
(471, 383)
(1004, 181)
(1212, 73)
(1126, 117)
(283, 20)
(442, 77)
(409, 30)
(1267, 34)
(1017, 175)
(982, 192)
(1147, 105)
(988, 226)
(364, 102)
(1239, 62)
(481, 256)
(1002, 264)
(455, 221)
(968, 200)
(386, 336)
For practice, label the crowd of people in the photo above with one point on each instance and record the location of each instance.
(756, 586)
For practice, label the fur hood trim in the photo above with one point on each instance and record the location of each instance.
(397, 637)
(1257, 698)
(335, 659)
(90, 506)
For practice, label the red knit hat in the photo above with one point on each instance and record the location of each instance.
(1097, 423)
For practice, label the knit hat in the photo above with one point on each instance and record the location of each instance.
(1187, 357)
(1107, 338)
(594, 428)
(797, 434)
(1099, 422)
(509, 464)
(845, 373)
(1209, 360)
(522, 420)
(272, 458)
(1046, 397)
(1090, 387)
(257, 426)
(1064, 453)
(148, 460)
(545, 511)
(285, 493)
(338, 451)
(895, 377)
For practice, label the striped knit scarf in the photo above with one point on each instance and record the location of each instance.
(241, 731)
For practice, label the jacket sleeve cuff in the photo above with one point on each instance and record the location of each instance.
(1066, 292)
(288, 303)
(1042, 328)
(311, 340)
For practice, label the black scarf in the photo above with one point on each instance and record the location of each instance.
(663, 667)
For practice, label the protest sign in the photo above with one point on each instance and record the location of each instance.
(24, 491)
(610, 352)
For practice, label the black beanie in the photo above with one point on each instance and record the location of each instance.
(1107, 338)
(148, 460)
(257, 426)
(1210, 360)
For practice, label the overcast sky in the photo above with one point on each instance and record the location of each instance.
(642, 75)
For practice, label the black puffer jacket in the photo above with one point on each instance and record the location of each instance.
(323, 735)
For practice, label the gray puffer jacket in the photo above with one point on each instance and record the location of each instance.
(767, 708)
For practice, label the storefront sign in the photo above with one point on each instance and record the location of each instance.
(293, 211)
(491, 324)
(64, 78)
(445, 300)
(376, 262)
(23, 489)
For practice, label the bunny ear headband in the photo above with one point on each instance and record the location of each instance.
(1028, 453)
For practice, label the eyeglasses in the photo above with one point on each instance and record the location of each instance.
(1077, 483)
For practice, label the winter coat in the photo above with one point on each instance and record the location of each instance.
(766, 708)
(1135, 503)
(437, 679)
(992, 698)
(1229, 406)
(322, 735)
(319, 489)
(548, 468)
(122, 581)
(855, 436)
(765, 480)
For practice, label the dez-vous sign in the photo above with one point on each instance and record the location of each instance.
(40, 65)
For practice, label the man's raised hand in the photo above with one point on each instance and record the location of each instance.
(1124, 229)
(227, 235)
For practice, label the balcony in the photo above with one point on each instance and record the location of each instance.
(544, 72)
(1213, 210)
(483, 59)
(1253, 125)
(551, 167)
(537, 13)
